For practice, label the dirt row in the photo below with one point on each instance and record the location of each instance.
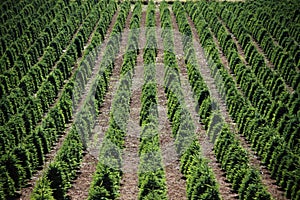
(176, 184)
(129, 183)
(207, 147)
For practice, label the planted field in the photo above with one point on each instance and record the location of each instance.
(149, 100)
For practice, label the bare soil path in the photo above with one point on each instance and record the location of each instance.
(129, 183)
(270, 184)
(207, 147)
(176, 184)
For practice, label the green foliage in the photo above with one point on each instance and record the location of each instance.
(252, 188)
(23, 156)
(7, 184)
(56, 180)
(233, 158)
(152, 185)
(151, 176)
(29, 86)
(14, 170)
(201, 183)
(55, 177)
(106, 180)
(43, 190)
(36, 138)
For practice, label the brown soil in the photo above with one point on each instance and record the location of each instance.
(176, 184)
(26, 192)
(129, 183)
(207, 147)
(80, 187)
(273, 189)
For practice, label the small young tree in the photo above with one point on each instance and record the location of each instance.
(43, 190)
(55, 176)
